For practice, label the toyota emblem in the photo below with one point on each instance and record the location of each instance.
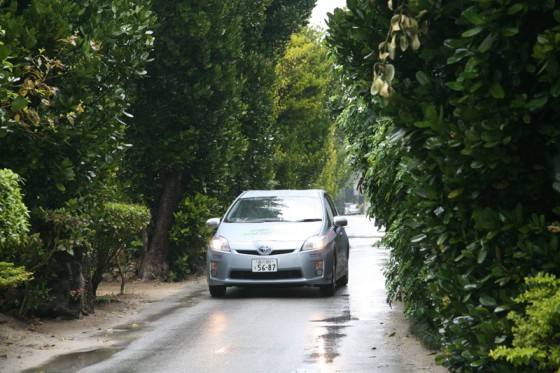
(264, 250)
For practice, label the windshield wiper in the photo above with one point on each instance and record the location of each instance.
(307, 220)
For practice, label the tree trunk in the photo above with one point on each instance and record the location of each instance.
(155, 262)
(71, 296)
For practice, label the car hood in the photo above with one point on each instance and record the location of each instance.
(278, 232)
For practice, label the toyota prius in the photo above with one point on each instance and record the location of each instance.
(279, 237)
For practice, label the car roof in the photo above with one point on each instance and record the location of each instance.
(282, 193)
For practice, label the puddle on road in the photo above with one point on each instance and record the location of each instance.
(327, 338)
(122, 335)
(75, 361)
(325, 349)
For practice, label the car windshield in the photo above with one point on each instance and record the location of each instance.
(275, 209)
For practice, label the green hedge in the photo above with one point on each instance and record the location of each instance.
(13, 229)
(117, 227)
(536, 331)
(457, 141)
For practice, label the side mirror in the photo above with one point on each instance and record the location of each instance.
(213, 223)
(340, 221)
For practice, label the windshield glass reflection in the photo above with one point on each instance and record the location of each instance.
(275, 209)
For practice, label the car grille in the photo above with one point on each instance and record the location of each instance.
(275, 252)
(280, 275)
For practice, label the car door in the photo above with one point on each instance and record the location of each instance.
(341, 239)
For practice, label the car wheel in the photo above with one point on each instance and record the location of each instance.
(343, 281)
(329, 290)
(217, 290)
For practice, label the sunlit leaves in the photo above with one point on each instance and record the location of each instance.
(303, 120)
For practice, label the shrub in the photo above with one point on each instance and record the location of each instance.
(13, 227)
(189, 234)
(536, 334)
(117, 226)
(13, 213)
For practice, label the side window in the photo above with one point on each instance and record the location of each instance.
(332, 206)
(330, 212)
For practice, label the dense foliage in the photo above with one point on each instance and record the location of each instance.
(308, 94)
(68, 68)
(457, 144)
(536, 331)
(117, 227)
(203, 120)
(13, 214)
(303, 121)
(189, 236)
(14, 227)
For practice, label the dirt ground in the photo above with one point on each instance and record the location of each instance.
(26, 344)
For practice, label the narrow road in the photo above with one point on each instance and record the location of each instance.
(274, 330)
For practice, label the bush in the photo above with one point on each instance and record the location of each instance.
(13, 227)
(190, 235)
(536, 334)
(13, 213)
(117, 227)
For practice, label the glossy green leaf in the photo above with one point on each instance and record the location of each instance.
(422, 77)
(418, 238)
(455, 193)
(510, 31)
(19, 103)
(472, 32)
(473, 17)
(487, 300)
(456, 86)
(482, 254)
(5, 51)
(487, 43)
(497, 91)
(515, 8)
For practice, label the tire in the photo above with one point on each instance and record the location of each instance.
(217, 291)
(329, 290)
(343, 281)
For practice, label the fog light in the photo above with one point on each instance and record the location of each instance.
(319, 268)
(213, 269)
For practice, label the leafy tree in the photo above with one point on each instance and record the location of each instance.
(301, 104)
(268, 26)
(453, 130)
(187, 111)
(67, 71)
(202, 119)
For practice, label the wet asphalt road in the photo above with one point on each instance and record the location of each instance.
(271, 330)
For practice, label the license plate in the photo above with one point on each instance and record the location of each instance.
(265, 265)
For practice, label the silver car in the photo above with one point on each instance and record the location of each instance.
(279, 237)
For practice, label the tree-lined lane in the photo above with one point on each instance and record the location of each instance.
(283, 329)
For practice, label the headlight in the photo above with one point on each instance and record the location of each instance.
(315, 243)
(219, 243)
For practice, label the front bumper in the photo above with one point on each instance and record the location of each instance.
(294, 269)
